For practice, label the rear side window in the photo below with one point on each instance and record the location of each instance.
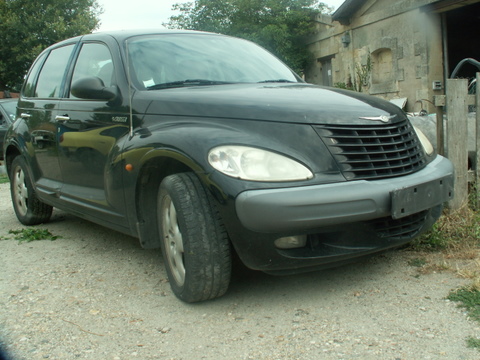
(50, 79)
(29, 88)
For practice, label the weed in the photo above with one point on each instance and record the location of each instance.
(459, 232)
(417, 262)
(456, 238)
(4, 179)
(473, 343)
(342, 85)
(472, 272)
(32, 234)
(432, 240)
(468, 299)
(360, 78)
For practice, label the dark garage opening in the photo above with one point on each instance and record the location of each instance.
(462, 38)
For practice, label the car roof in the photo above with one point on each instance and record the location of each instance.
(129, 33)
(122, 35)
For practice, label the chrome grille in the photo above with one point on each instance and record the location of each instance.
(374, 151)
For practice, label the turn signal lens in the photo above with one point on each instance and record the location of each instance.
(427, 145)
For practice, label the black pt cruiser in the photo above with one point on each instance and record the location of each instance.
(207, 145)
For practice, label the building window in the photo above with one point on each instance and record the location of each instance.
(384, 72)
(382, 66)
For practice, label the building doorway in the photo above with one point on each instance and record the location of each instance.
(462, 33)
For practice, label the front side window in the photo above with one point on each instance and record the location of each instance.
(94, 60)
(169, 59)
(49, 82)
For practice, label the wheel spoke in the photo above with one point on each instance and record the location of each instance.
(20, 191)
(173, 241)
(30, 210)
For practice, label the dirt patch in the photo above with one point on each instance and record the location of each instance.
(95, 294)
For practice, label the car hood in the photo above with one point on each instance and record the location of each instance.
(299, 103)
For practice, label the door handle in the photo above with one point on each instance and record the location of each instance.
(25, 115)
(62, 118)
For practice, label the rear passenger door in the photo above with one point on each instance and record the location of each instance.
(38, 107)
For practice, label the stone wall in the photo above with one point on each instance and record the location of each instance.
(395, 47)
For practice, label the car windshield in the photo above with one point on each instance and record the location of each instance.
(176, 60)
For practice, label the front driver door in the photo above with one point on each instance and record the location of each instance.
(88, 134)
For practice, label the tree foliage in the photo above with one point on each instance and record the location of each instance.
(29, 26)
(277, 25)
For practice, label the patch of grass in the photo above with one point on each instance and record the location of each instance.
(472, 272)
(459, 231)
(4, 179)
(453, 244)
(473, 343)
(417, 262)
(456, 238)
(468, 299)
(32, 234)
(432, 240)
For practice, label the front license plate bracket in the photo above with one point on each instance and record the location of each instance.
(413, 199)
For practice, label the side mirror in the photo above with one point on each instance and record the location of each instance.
(93, 88)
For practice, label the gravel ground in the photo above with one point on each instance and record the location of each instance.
(95, 294)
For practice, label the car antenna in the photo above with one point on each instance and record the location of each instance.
(129, 90)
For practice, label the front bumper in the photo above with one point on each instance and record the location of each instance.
(309, 207)
(344, 221)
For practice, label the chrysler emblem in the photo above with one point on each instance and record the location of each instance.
(383, 118)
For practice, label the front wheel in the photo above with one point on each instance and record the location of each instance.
(28, 208)
(195, 245)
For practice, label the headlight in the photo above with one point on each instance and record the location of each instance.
(254, 164)
(427, 145)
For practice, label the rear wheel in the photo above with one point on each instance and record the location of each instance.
(28, 208)
(195, 245)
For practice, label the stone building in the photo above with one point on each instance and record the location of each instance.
(395, 48)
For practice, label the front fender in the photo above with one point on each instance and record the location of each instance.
(145, 168)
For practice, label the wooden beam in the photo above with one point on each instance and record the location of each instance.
(477, 144)
(440, 131)
(457, 150)
(439, 100)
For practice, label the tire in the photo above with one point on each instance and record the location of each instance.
(28, 208)
(195, 245)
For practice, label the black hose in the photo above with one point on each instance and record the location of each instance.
(460, 64)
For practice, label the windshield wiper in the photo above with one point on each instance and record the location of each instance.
(188, 82)
(276, 81)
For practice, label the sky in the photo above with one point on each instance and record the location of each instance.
(146, 14)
